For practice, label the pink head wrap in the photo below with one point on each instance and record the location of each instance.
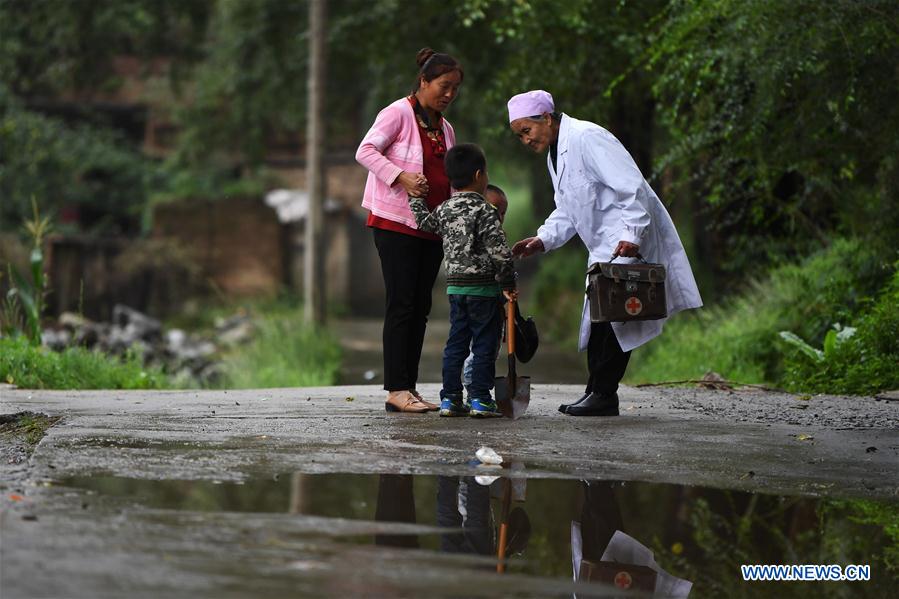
(532, 103)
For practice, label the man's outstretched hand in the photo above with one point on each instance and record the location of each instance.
(527, 247)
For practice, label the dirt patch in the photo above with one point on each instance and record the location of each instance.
(20, 433)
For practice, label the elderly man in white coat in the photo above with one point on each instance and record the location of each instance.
(601, 196)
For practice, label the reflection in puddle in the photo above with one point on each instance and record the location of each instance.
(587, 530)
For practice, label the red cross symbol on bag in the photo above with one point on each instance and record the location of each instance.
(623, 580)
(633, 306)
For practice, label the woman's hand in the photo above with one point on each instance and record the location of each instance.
(527, 247)
(511, 294)
(415, 184)
(626, 249)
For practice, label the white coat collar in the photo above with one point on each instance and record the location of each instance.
(564, 134)
(561, 150)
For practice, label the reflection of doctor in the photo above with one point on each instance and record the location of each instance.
(602, 197)
(601, 552)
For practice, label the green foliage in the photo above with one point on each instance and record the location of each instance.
(725, 536)
(865, 362)
(49, 48)
(250, 85)
(26, 295)
(27, 298)
(783, 117)
(77, 166)
(883, 516)
(798, 343)
(739, 338)
(284, 352)
(574, 49)
(209, 183)
(52, 46)
(33, 367)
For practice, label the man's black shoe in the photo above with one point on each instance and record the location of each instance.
(564, 407)
(596, 405)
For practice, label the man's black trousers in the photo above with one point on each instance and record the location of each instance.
(605, 360)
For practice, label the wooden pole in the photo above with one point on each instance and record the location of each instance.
(504, 526)
(313, 271)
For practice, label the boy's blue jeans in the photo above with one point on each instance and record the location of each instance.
(466, 370)
(475, 323)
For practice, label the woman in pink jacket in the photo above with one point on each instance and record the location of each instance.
(403, 152)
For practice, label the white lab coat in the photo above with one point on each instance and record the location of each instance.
(602, 197)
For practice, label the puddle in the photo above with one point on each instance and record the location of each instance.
(556, 528)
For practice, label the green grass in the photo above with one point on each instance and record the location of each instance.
(76, 368)
(739, 338)
(867, 362)
(283, 353)
(26, 427)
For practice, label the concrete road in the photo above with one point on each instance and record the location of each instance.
(54, 546)
(749, 440)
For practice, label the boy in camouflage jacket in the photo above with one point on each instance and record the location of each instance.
(479, 271)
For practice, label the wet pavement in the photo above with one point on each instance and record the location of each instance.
(277, 493)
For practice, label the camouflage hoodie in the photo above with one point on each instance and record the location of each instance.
(474, 244)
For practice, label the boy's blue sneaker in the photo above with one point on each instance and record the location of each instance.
(449, 407)
(484, 408)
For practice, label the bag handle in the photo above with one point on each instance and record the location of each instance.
(638, 256)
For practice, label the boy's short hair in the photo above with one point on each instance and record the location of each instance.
(496, 189)
(462, 162)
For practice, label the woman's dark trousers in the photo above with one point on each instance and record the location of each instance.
(409, 266)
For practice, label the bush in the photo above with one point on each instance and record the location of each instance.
(93, 169)
(866, 362)
(739, 338)
(76, 368)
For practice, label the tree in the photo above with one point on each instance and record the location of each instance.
(783, 118)
(250, 84)
(53, 46)
(52, 49)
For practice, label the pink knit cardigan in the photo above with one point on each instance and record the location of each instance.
(391, 146)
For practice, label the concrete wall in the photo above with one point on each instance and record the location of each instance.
(237, 242)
